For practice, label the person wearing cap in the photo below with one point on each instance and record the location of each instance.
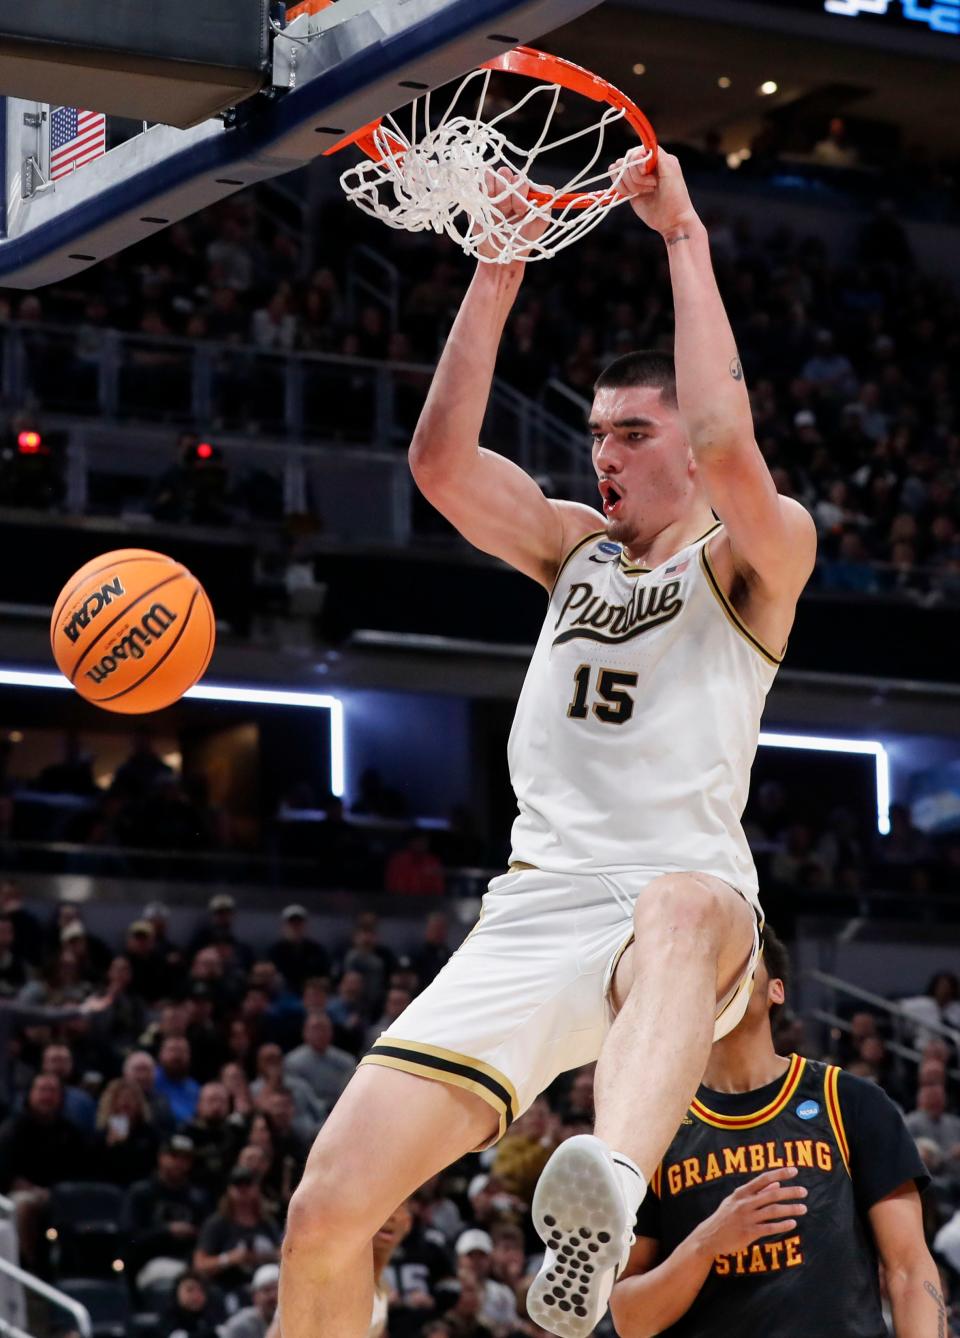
(218, 928)
(90, 953)
(239, 1237)
(157, 916)
(295, 955)
(151, 979)
(162, 1215)
(498, 1304)
(255, 1320)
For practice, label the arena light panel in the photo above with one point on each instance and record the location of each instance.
(864, 747)
(227, 692)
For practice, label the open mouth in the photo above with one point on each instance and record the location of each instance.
(612, 497)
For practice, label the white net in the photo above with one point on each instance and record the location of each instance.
(447, 174)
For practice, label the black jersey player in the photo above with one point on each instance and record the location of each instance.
(786, 1184)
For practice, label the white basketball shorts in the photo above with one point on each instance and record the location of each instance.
(526, 996)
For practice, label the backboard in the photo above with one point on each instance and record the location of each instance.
(334, 67)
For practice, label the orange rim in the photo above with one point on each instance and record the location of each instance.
(540, 65)
(308, 7)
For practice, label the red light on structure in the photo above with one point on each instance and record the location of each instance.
(29, 443)
(204, 451)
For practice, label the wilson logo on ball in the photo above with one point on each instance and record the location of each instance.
(132, 630)
(90, 607)
(133, 644)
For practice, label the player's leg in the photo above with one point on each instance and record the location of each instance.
(694, 939)
(388, 1133)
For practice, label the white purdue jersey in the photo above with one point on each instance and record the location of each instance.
(631, 748)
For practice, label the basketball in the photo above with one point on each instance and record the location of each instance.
(132, 630)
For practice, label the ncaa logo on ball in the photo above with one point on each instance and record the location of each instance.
(91, 606)
(807, 1110)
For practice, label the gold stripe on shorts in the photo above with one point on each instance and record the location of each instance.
(431, 1061)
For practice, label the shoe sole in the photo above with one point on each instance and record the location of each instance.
(579, 1215)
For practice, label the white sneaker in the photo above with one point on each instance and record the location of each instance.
(580, 1215)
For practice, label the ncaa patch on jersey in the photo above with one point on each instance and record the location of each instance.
(609, 548)
(808, 1109)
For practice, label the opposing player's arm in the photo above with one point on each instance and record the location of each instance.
(912, 1278)
(652, 1296)
(771, 537)
(490, 500)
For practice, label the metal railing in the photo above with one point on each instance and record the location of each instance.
(372, 278)
(112, 376)
(79, 1312)
(901, 1022)
(20, 1277)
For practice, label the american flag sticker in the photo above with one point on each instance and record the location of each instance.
(76, 138)
(677, 568)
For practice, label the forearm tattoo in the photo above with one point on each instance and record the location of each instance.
(682, 237)
(736, 371)
(932, 1291)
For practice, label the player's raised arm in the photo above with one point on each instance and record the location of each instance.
(772, 536)
(489, 499)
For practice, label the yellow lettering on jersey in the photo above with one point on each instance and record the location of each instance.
(772, 1159)
(824, 1157)
(794, 1253)
(734, 1160)
(805, 1152)
(674, 1178)
(769, 1257)
(691, 1172)
(713, 1168)
(756, 1156)
(788, 1151)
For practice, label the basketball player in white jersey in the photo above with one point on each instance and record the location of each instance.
(627, 927)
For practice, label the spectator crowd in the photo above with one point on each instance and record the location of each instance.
(851, 358)
(182, 1080)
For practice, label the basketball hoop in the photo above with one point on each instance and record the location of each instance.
(440, 174)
